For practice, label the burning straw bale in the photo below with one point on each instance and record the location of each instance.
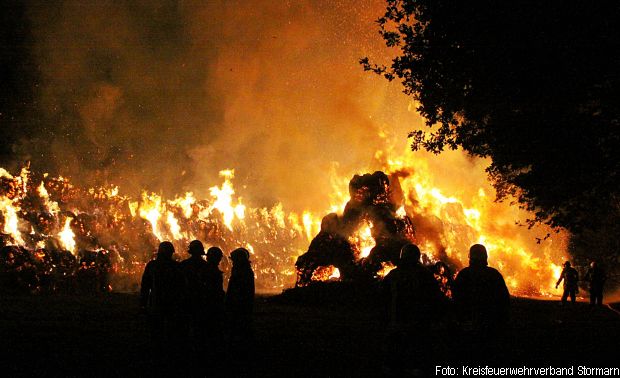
(47, 245)
(374, 202)
(43, 215)
(49, 216)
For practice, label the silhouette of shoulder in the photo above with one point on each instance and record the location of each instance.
(480, 273)
(185, 264)
(413, 282)
(161, 283)
(480, 285)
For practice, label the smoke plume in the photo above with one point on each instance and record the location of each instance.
(162, 95)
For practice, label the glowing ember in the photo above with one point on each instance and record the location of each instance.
(327, 273)
(386, 267)
(335, 274)
(112, 192)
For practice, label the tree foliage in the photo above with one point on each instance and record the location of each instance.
(532, 85)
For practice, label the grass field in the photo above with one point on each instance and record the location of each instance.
(106, 336)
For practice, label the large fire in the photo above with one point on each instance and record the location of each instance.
(41, 213)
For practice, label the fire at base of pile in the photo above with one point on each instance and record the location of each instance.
(49, 270)
(365, 241)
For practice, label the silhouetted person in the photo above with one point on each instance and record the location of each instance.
(414, 299)
(571, 278)
(160, 297)
(596, 277)
(239, 306)
(482, 303)
(215, 294)
(204, 301)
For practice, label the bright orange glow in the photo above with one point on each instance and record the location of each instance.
(185, 203)
(312, 225)
(328, 273)
(10, 219)
(51, 206)
(151, 210)
(461, 213)
(67, 237)
(386, 267)
(224, 199)
(173, 226)
(451, 210)
(363, 239)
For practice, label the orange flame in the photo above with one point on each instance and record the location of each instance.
(460, 213)
(67, 237)
(448, 198)
(223, 199)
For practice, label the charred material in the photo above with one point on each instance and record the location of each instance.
(372, 201)
(53, 271)
(329, 247)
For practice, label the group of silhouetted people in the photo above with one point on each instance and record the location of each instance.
(418, 301)
(186, 305)
(480, 303)
(595, 276)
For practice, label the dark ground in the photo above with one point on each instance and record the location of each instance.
(342, 336)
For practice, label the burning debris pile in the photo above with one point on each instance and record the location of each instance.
(47, 245)
(57, 237)
(374, 212)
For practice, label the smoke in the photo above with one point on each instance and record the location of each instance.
(162, 95)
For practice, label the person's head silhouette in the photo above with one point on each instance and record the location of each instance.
(196, 248)
(409, 255)
(478, 255)
(165, 250)
(214, 254)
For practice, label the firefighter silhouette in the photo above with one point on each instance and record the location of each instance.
(413, 297)
(596, 277)
(239, 306)
(570, 277)
(482, 303)
(161, 298)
